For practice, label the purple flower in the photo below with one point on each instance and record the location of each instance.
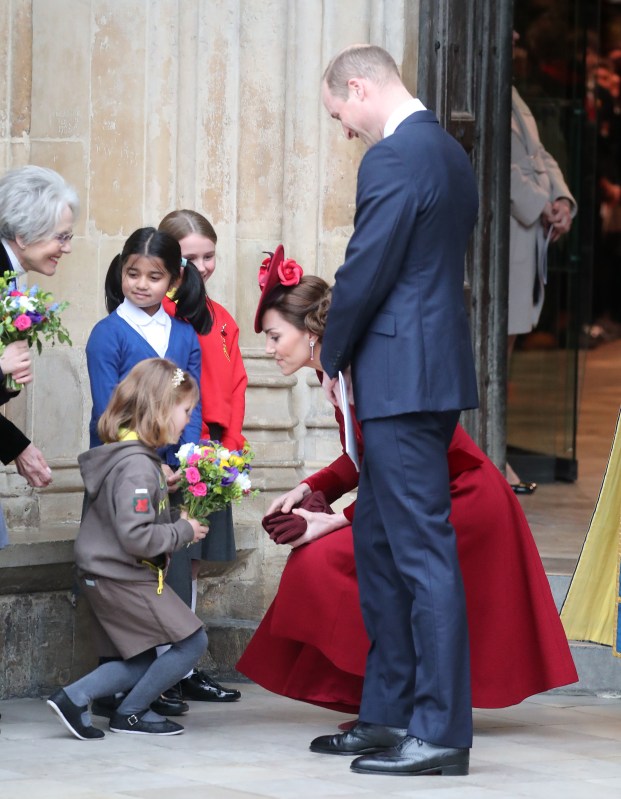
(230, 477)
(34, 317)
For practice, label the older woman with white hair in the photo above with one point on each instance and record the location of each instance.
(37, 211)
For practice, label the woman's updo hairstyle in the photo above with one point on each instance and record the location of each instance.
(305, 305)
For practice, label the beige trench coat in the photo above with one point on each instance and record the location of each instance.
(535, 180)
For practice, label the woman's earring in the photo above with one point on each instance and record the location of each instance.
(312, 349)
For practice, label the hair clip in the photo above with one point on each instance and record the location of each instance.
(178, 378)
(184, 261)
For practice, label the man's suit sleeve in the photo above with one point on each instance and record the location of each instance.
(12, 441)
(386, 209)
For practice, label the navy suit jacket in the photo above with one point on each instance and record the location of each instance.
(397, 313)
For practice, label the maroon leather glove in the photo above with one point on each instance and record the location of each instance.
(285, 527)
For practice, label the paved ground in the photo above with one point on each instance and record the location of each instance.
(553, 747)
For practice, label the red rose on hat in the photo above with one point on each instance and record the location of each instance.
(289, 272)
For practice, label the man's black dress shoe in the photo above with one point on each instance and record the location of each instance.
(71, 717)
(362, 739)
(413, 756)
(202, 687)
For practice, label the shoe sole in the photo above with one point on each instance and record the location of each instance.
(54, 707)
(145, 732)
(444, 771)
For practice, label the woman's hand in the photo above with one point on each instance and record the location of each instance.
(318, 525)
(16, 361)
(285, 502)
(200, 530)
(33, 467)
(172, 478)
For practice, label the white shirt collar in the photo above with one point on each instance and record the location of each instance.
(15, 264)
(400, 113)
(136, 316)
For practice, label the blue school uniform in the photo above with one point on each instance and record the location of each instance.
(114, 348)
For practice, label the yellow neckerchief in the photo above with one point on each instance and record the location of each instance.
(127, 435)
(171, 294)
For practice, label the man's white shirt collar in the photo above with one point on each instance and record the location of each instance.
(400, 113)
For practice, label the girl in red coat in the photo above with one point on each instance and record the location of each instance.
(223, 398)
(311, 644)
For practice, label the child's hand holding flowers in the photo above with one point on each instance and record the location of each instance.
(213, 477)
(24, 316)
(200, 530)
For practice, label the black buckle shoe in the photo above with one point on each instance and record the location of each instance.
(71, 717)
(201, 687)
(414, 757)
(135, 724)
(362, 739)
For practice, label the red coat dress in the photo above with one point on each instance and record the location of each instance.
(311, 645)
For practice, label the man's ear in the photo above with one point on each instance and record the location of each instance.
(356, 88)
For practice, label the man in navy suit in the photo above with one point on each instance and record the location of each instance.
(398, 325)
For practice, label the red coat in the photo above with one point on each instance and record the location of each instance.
(312, 645)
(223, 376)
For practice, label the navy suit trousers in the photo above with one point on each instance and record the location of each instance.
(411, 590)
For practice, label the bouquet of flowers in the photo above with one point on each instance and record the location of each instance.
(213, 477)
(26, 315)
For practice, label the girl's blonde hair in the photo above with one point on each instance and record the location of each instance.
(143, 402)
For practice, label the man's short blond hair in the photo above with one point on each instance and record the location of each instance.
(359, 61)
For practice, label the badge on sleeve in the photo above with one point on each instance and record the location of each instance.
(141, 500)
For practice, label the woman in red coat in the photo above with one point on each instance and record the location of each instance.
(311, 644)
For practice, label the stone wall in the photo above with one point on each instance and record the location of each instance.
(149, 105)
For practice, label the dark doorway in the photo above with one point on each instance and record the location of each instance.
(554, 73)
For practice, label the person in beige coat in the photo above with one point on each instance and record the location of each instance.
(542, 209)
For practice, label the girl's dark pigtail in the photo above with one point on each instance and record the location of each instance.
(114, 293)
(192, 303)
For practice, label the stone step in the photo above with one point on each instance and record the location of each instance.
(35, 601)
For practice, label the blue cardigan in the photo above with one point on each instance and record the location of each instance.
(114, 347)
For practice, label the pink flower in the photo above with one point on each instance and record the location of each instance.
(194, 459)
(290, 272)
(16, 293)
(192, 474)
(22, 322)
(199, 490)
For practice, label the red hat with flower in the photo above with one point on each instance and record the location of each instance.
(274, 271)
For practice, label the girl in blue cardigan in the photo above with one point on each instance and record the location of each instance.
(138, 327)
